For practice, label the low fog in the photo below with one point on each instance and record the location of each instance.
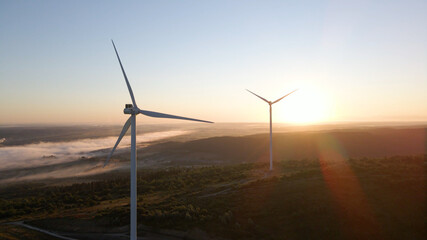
(46, 153)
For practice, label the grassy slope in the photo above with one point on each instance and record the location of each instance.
(13, 232)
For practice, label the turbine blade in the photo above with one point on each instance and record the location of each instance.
(163, 115)
(284, 96)
(124, 74)
(258, 96)
(124, 130)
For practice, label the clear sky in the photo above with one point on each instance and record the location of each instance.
(351, 60)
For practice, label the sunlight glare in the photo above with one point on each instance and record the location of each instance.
(305, 106)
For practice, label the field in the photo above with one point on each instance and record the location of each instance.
(376, 198)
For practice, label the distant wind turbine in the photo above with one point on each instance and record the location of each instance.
(271, 127)
(133, 110)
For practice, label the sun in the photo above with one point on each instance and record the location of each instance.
(305, 106)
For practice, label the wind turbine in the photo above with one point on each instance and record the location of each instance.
(133, 110)
(271, 127)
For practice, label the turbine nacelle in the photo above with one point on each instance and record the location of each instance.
(130, 109)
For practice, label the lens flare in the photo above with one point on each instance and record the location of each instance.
(350, 202)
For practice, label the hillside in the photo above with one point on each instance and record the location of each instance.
(376, 142)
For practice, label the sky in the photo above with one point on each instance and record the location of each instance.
(350, 60)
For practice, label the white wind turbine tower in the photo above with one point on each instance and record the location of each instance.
(133, 110)
(271, 127)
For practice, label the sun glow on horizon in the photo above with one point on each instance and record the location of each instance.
(305, 106)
